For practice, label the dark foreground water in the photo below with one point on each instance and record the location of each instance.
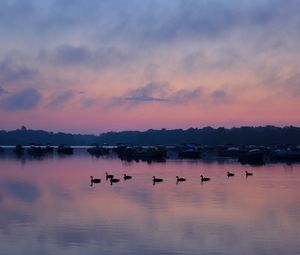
(48, 207)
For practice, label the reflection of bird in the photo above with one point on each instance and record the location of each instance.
(180, 179)
(114, 180)
(204, 179)
(96, 180)
(248, 174)
(157, 179)
(109, 176)
(230, 174)
(127, 177)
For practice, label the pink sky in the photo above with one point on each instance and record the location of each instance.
(152, 65)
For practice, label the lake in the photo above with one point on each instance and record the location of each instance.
(48, 207)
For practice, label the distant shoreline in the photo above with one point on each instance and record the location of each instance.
(266, 135)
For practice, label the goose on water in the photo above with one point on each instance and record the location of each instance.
(157, 179)
(204, 179)
(127, 177)
(109, 176)
(230, 174)
(96, 180)
(248, 173)
(114, 180)
(180, 179)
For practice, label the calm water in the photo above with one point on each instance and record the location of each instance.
(48, 207)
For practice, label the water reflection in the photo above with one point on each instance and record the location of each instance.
(49, 207)
(24, 191)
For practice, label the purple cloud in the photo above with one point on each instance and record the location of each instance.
(184, 95)
(12, 71)
(2, 91)
(60, 99)
(72, 56)
(293, 83)
(219, 96)
(25, 99)
(155, 92)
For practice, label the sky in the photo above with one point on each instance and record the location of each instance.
(99, 65)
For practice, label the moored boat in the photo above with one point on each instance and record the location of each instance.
(65, 149)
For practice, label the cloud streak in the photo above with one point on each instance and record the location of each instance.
(59, 100)
(157, 92)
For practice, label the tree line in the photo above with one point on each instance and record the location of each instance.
(266, 135)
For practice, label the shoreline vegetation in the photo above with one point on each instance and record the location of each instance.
(207, 136)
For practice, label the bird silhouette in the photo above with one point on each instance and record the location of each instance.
(230, 174)
(204, 179)
(114, 180)
(248, 174)
(157, 179)
(108, 176)
(180, 179)
(127, 177)
(96, 180)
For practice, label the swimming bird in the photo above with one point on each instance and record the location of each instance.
(248, 174)
(180, 179)
(127, 177)
(230, 174)
(108, 176)
(114, 180)
(204, 179)
(96, 180)
(157, 179)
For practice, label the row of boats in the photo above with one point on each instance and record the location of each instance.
(249, 154)
(155, 179)
(40, 151)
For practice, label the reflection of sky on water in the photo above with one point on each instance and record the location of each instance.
(23, 191)
(48, 207)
